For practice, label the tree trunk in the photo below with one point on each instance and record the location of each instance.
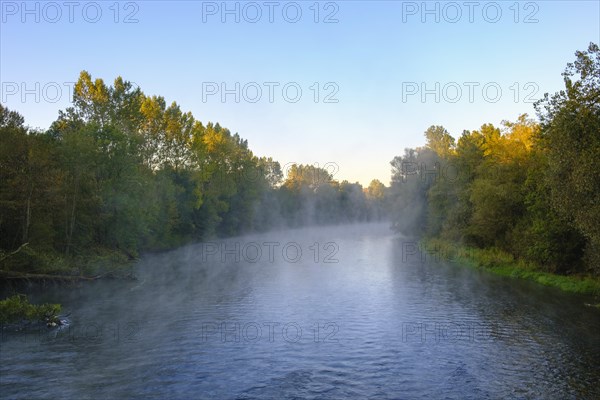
(27, 216)
(71, 221)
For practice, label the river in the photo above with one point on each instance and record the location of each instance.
(321, 313)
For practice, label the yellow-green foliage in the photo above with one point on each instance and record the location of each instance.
(17, 308)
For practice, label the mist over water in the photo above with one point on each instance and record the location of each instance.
(326, 312)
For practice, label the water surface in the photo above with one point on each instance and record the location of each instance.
(270, 317)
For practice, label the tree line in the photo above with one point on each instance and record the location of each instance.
(528, 188)
(120, 172)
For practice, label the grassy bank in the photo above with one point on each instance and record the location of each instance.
(504, 264)
(29, 262)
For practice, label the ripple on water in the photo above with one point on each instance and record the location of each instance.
(372, 326)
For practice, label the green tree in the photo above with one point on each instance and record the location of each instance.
(440, 141)
(412, 176)
(571, 136)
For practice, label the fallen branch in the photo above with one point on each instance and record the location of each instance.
(29, 276)
(5, 256)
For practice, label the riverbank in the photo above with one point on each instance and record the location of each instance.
(31, 264)
(504, 264)
(28, 265)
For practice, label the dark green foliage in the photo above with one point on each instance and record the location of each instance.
(571, 135)
(121, 172)
(529, 190)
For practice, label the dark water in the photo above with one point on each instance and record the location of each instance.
(378, 323)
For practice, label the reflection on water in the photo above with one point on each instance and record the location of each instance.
(310, 313)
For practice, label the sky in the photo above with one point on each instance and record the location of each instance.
(345, 85)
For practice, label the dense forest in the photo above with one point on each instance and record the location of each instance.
(121, 172)
(527, 189)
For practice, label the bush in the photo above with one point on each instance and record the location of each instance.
(17, 308)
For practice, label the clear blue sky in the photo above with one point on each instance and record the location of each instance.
(376, 54)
